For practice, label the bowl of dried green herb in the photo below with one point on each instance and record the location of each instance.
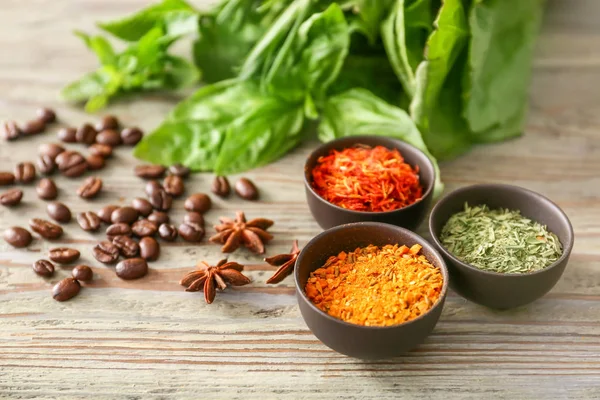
(505, 246)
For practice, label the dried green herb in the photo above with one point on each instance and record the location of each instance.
(500, 240)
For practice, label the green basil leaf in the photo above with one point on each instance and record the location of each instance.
(88, 86)
(180, 73)
(100, 46)
(368, 16)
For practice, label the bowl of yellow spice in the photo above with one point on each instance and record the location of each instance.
(505, 246)
(370, 290)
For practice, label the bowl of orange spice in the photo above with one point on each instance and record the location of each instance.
(370, 290)
(368, 178)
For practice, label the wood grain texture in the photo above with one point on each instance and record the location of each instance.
(149, 339)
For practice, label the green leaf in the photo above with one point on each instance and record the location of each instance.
(503, 34)
(88, 86)
(100, 46)
(360, 112)
(180, 73)
(368, 16)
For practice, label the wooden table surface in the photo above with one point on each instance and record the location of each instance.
(150, 339)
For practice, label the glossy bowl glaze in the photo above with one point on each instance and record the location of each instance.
(365, 342)
(329, 215)
(497, 290)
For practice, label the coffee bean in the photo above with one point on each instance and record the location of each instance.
(105, 213)
(167, 232)
(161, 200)
(108, 122)
(149, 249)
(191, 232)
(158, 217)
(120, 229)
(173, 185)
(246, 189)
(46, 229)
(71, 164)
(152, 187)
(109, 137)
(33, 127)
(66, 289)
(46, 115)
(144, 227)
(11, 197)
(50, 149)
(132, 268)
(43, 268)
(45, 164)
(59, 212)
(6, 178)
(131, 136)
(46, 189)
(86, 134)
(194, 217)
(220, 186)
(127, 215)
(63, 255)
(90, 187)
(106, 252)
(82, 273)
(179, 170)
(94, 163)
(89, 221)
(11, 131)
(25, 172)
(149, 171)
(127, 246)
(67, 135)
(100, 150)
(142, 205)
(17, 237)
(198, 202)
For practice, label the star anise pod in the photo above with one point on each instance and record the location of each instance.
(209, 278)
(234, 232)
(285, 262)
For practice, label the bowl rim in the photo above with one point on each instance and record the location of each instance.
(384, 139)
(370, 224)
(539, 198)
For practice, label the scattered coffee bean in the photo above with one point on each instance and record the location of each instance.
(105, 213)
(167, 232)
(59, 212)
(109, 137)
(43, 268)
(198, 202)
(127, 246)
(194, 217)
(17, 237)
(158, 217)
(120, 229)
(108, 122)
(149, 171)
(246, 189)
(50, 149)
(100, 150)
(82, 273)
(149, 249)
(11, 197)
(66, 289)
(67, 135)
(11, 131)
(33, 127)
(94, 162)
(45, 164)
(191, 232)
(152, 187)
(46, 189)
(46, 229)
(106, 252)
(25, 172)
(173, 185)
(86, 134)
(179, 170)
(132, 268)
(46, 115)
(6, 178)
(126, 214)
(90, 187)
(161, 200)
(143, 206)
(71, 164)
(63, 255)
(89, 221)
(131, 136)
(144, 227)
(220, 186)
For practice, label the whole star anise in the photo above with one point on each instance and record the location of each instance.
(285, 262)
(209, 278)
(233, 233)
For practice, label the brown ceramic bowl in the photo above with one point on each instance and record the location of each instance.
(329, 215)
(366, 342)
(497, 290)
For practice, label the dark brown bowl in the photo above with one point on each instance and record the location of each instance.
(497, 290)
(329, 215)
(366, 342)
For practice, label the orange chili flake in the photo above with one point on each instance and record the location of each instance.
(364, 178)
(376, 286)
